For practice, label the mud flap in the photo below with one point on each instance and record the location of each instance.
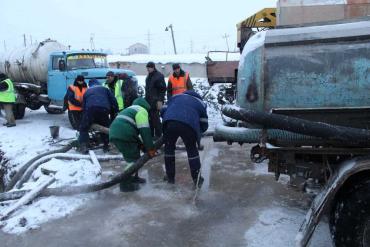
(324, 199)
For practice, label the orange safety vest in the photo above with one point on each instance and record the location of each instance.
(78, 96)
(179, 84)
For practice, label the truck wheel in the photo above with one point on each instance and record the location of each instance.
(73, 120)
(19, 111)
(350, 218)
(51, 110)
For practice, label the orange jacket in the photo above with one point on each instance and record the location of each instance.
(78, 96)
(179, 83)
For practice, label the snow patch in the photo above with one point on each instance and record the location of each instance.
(68, 173)
(43, 210)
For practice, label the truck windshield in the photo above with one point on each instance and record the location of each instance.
(86, 61)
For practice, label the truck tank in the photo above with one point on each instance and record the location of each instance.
(306, 71)
(29, 64)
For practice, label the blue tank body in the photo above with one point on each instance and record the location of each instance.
(317, 73)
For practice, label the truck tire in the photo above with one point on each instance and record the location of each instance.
(53, 110)
(350, 218)
(73, 121)
(19, 111)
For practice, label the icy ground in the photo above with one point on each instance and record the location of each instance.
(240, 204)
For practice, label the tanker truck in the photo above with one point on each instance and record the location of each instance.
(303, 97)
(42, 73)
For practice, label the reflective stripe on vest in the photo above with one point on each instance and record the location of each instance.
(179, 84)
(8, 96)
(78, 96)
(138, 123)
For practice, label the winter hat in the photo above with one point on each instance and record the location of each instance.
(175, 66)
(110, 73)
(93, 82)
(150, 65)
(80, 78)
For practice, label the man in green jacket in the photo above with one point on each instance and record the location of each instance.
(115, 86)
(130, 133)
(7, 99)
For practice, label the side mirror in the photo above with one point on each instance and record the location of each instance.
(62, 65)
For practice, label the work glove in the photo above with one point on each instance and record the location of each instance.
(151, 152)
(159, 105)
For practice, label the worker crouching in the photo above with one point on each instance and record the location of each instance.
(125, 132)
(98, 104)
(184, 116)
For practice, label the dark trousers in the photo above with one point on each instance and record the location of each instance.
(94, 115)
(155, 123)
(171, 132)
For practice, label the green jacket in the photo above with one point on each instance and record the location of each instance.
(8, 96)
(132, 122)
(118, 93)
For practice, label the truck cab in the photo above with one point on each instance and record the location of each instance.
(65, 66)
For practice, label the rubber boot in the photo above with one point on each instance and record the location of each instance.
(137, 179)
(128, 185)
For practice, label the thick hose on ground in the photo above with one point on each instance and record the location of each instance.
(63, 191)
(24, 168)
(274, 136)
(346, 135)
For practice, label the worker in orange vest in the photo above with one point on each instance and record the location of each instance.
(178, 82)
(74, 96)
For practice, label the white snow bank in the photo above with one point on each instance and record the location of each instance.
(68, 173)
(71, 173)
(180, 58)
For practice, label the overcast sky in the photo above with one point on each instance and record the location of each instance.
(199, 25)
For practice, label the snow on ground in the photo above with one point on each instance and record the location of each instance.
(43, 210)
(30, 137)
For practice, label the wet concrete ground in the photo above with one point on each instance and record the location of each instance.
(227, 209)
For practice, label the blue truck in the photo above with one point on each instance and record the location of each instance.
(42, 73)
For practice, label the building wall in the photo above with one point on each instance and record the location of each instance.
(195, 69)
(297, 12)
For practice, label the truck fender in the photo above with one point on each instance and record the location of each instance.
(323, 201)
